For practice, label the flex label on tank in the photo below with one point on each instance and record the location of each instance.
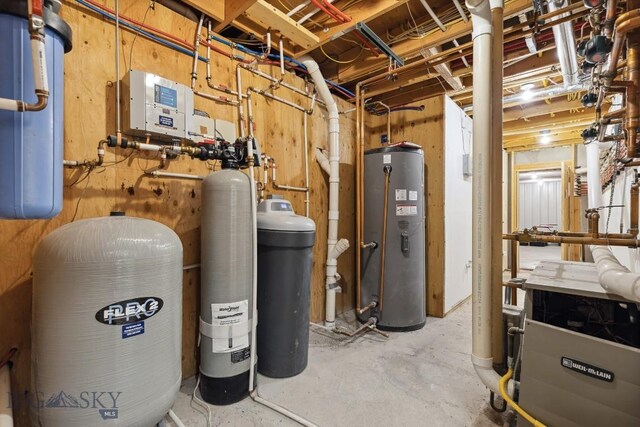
(230, 316)
(406, 210)
(129, 311)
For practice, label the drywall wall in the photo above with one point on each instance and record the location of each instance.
(121, 185)
(458, 134)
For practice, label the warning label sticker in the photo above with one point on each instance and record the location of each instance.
(229, 314)
(413, 195)
(386, 159)
(406, 210)
(401, 195)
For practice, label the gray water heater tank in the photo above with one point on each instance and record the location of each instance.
(107, 323)
(285, 258)
(403, 305)
(226, 287)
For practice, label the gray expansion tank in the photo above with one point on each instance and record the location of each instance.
(403, 305)
(285, 250)
(226, 287)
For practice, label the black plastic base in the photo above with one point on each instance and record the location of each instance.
(225, 391)
(401, 328)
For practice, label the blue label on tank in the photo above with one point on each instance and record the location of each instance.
(166, 96)
(132, 329)
(165, 121)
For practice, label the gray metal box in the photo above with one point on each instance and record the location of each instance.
(155, 106)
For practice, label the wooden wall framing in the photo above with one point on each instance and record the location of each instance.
(90, 116)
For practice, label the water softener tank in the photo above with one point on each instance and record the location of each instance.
(285, 251)
(107, 323)
(32, 141)
(226, 287)
(400, 170)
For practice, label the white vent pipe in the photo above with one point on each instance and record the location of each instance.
(334, 247)
(613, 276)
(565, 44)
(6, 412)
(481, 203)
(593, 175)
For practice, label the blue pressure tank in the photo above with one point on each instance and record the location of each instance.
(32, 142)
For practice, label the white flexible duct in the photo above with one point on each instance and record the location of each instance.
(565, 45)
(481, 203)
(613, 276)
(333, 250)
(6, 413)
(593, 175)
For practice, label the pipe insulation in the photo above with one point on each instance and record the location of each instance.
(481, 203)
(613, 276)
(565, 44)
(334, 247)
(593, 175)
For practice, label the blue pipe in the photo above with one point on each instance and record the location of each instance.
(213, 37)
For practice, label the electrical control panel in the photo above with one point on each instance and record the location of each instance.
(203, 130)
(155, 106)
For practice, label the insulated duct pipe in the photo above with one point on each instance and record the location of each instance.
(565, 44)
(535, 95)
(614, 277)
(593, 175)
(334, 247)
(481, 202)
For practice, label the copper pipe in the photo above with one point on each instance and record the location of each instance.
(383, 248)
(359, 173)
(457, 49)
(633, 212)
(633, 75)
(497, 59)
(631, 243)
(610, 19)
(624, 23)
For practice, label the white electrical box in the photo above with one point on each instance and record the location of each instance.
(155, 106)
(226, 130)
(203, 130)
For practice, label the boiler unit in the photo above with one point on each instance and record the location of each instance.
(107, 323)
(393, 257)
(226, 287)
(31, 108)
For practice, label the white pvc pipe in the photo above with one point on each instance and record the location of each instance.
(323, 161)
(6, 411)
(178, 422)
(334, 189)
(161, 174)
(614, 277)
(306, 164)
(593, 175)
(481, 203)
(149, 147)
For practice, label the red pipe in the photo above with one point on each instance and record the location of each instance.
(335, 11)
(333, 15)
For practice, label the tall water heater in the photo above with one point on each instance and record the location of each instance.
(226, 287)
(107, 323)
(394, 202)
(32, 141)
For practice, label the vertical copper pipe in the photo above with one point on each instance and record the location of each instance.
(383, 246)
(633, 212)
(514, 269)
(633, 75)
(359, 173)
(610, 19)
(497, 342)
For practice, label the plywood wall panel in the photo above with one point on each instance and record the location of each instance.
(425, 128)
(120, 185)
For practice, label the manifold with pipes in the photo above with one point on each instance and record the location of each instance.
(567, 344)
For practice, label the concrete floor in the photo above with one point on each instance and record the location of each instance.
(530, 256)
(411, 379)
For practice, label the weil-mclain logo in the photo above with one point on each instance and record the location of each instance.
(587, 369)
(129, 311)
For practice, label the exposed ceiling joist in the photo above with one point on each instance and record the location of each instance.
(363, 11)
(556, 105)
(412, 47)
(232, 9)
(269, 16)
(213, 9)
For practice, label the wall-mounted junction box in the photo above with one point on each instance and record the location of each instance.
(156, 106)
